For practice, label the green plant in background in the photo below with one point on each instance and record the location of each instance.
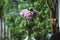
(16, 23)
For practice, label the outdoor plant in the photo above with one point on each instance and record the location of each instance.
(29, 15)
(18, 16)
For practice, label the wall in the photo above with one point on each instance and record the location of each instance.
(59, 12)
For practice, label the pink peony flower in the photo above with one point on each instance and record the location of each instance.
(28, 14)
(23, 12)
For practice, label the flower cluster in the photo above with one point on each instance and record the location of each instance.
(28, 14)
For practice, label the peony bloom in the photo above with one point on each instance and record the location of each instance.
(28, 14)
(23, 12)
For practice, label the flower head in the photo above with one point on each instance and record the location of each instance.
(28, 14)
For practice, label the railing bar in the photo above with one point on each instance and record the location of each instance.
(4, 29)
(1, 28)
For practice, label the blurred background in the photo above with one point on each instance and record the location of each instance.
(13, 26)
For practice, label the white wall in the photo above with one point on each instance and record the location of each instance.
(59, 12)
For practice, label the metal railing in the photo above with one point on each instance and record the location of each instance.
(4, 30)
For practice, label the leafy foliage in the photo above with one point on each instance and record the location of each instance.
(17, 23)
